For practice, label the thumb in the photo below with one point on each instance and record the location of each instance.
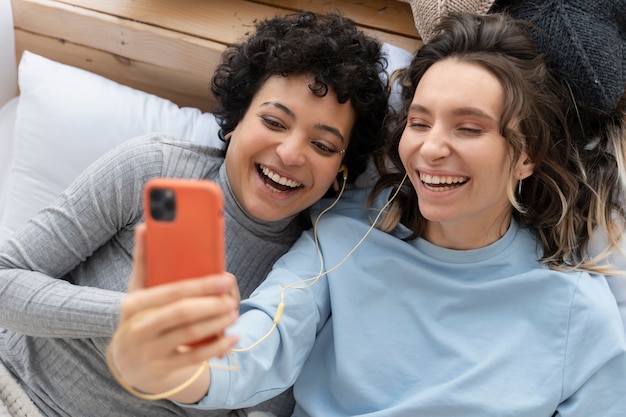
(137, 277)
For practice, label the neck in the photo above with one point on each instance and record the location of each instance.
(465, 235)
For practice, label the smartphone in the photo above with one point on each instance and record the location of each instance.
(184, 229)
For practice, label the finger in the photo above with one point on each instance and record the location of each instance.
(161, 332)
(234, 289)
(172, 363)
(200, 347)
(184, 321)
(217, 349)
(163, 295)
(164, 356)
(200, 332)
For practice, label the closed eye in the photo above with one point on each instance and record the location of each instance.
(417, 125)
(324, 149)
(470, 131)
(272, 123)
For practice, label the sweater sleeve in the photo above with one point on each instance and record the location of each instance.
(595, 362)
(38, 292)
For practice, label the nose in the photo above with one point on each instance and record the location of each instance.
(435, 144)
(292, 150)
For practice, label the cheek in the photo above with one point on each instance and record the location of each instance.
(234, 159)
(406, 149)
(497, 175)
(325, 174)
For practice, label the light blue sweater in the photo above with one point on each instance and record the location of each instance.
(418, 330)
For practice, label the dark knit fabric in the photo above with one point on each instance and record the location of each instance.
(585, 41)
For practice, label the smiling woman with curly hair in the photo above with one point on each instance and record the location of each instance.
(302, 99)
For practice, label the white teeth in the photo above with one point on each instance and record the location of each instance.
(277, 178)
(272, 188)
(436, 180)
(438, 188)
(441, 183)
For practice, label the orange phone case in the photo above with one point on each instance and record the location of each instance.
(185, 229)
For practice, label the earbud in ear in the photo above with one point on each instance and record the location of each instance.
(344, 170)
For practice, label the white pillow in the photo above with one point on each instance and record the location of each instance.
(397, 58)
(67, 118)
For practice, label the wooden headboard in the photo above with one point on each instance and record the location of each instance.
(171, 48)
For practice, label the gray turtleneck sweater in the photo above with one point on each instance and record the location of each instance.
(63, 276)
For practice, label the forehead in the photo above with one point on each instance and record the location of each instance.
(293, 95)
(457, 82)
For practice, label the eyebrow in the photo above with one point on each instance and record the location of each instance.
(291, 114)
(462, 111)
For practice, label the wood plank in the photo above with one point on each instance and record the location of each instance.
(390, 16)
(126, 38)
(229, 21)
(183, 88)
(220, 21)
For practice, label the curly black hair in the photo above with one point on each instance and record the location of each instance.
(328, 47)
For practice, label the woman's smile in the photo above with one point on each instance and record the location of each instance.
(275, 182)
(440, 183)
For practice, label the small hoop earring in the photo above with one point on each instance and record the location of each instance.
(224, 137)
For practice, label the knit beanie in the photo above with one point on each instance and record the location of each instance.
(585, 42)
(426, 13)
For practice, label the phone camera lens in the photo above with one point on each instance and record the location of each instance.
(162, 204)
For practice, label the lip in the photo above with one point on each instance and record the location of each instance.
(276, 183)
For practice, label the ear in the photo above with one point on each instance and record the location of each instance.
(524, 167)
